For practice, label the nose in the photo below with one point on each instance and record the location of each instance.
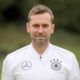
(40, 29)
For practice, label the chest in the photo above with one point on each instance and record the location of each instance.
(49, 68)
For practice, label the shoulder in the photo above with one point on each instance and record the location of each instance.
(18, 52)
(15, 56)
(68, 58)
(62, 52)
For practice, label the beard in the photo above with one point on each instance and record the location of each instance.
(40, 39)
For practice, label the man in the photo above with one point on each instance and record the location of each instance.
(40, 60)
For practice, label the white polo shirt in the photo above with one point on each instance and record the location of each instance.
(26, 64)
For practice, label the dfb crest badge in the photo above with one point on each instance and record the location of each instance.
(56, 64)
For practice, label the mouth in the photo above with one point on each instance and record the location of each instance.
(40, 35)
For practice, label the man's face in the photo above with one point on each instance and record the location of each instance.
(40, 28)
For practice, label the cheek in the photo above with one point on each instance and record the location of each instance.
(49, 31)
(33, 32)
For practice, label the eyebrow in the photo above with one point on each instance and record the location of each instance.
(42, 24)
(35, 25)
(45, 24)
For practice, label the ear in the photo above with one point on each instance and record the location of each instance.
(52, 28)
(27, 27)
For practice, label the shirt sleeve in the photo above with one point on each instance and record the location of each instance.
(79, 76)
(6, 70)
(74, 74)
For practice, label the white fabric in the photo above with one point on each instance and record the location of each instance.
(55, 64)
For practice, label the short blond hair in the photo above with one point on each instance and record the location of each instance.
(40, 9)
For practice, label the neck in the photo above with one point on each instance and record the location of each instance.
(40, 49)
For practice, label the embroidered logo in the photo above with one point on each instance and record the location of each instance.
(56, 64)
(26, 65)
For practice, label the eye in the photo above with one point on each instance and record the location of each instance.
(45, 26)
(35, 25)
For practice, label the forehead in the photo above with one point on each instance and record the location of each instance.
(44, 17)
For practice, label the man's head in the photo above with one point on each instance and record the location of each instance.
(40, 25)
(40, 9)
